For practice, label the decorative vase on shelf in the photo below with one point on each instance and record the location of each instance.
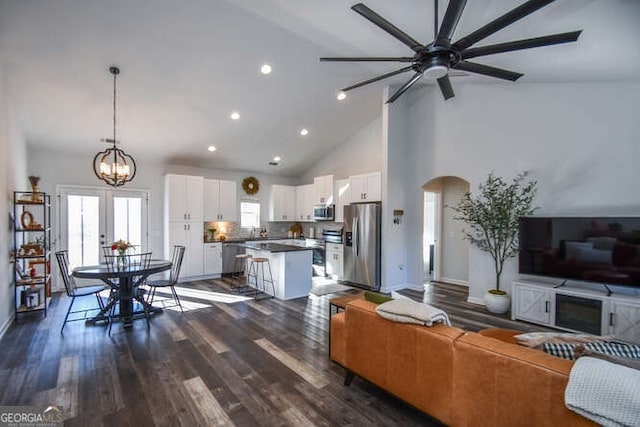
(33, 180)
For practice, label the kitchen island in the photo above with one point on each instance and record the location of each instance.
(290, 266)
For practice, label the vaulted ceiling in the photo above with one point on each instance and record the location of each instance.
(186, 65)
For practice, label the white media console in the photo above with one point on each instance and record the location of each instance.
(579, 307)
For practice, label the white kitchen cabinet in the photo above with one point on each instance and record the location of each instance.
(323, 190)
(183, 197)
(282, 205)
(532, 304)
(189, 235)
(220, 200)
(624, 320)
(343, 197)
(366, 187)
(183, 221)
(213, 259)
(304, 202)
(334, 260)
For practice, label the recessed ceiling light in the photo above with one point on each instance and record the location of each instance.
(341, 96)
(304, 132)
(265, 69)
(277, 159)
(211, 148)
(235, 115)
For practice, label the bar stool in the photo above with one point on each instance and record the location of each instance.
(256, 270)
(240, 269)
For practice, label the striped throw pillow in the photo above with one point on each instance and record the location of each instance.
(566, 351)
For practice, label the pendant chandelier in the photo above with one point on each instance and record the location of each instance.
(113, 165)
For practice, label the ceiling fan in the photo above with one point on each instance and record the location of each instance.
(436, 59)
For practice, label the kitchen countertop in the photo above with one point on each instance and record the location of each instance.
(272, 247)
(250, 239)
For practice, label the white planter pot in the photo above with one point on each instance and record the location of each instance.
(498, 304)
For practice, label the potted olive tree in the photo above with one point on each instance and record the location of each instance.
(492, 217)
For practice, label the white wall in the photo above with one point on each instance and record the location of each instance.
(454, 247)
(13, 177)
(580, 141)
(359, 154)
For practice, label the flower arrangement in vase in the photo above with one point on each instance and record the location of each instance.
(122, 246)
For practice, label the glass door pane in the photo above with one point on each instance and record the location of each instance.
(83, 233)
(127, 220)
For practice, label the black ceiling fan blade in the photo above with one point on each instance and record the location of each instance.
(487, 70)
(445, 87)
(450, 22)
(368, 59)
(387, 26)
(375, 79)
(501, 22)
(404, 87)
(521, 44)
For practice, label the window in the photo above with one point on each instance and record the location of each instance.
(249, 214)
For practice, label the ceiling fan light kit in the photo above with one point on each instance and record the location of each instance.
(436, 59)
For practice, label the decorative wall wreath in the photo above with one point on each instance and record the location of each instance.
(250, 185)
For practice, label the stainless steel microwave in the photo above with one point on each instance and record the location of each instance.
(324, 212)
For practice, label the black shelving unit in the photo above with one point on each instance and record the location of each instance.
(32, 249)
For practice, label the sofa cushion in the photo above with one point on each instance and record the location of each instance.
(501, 384)
(567, 351)
(580, 351)
(536, 339)
(410, 361)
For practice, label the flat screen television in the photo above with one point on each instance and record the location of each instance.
(604, 250)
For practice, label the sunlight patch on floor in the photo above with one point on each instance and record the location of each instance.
(204, 295)
(168, 303)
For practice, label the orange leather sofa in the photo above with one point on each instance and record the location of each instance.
(461, 378)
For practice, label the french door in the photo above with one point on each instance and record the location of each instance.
(90, 218)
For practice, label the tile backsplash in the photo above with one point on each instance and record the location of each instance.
(232, 230)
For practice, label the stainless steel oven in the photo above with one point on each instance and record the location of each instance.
(319, 256)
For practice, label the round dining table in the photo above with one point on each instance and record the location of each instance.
(125, 281)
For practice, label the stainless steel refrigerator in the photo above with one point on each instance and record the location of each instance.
(362, 224)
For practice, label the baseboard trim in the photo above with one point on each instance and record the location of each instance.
(398, 287)
(475, 300)
(454, 281)
(5, 326)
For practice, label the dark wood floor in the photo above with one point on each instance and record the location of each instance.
(225, 361)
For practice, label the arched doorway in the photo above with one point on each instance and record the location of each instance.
(445, 252)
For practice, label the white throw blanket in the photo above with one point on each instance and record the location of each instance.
(409, 311)
(604, 392)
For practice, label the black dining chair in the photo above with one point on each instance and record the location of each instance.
(118, 263)
(74, 291)
(176, 265)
